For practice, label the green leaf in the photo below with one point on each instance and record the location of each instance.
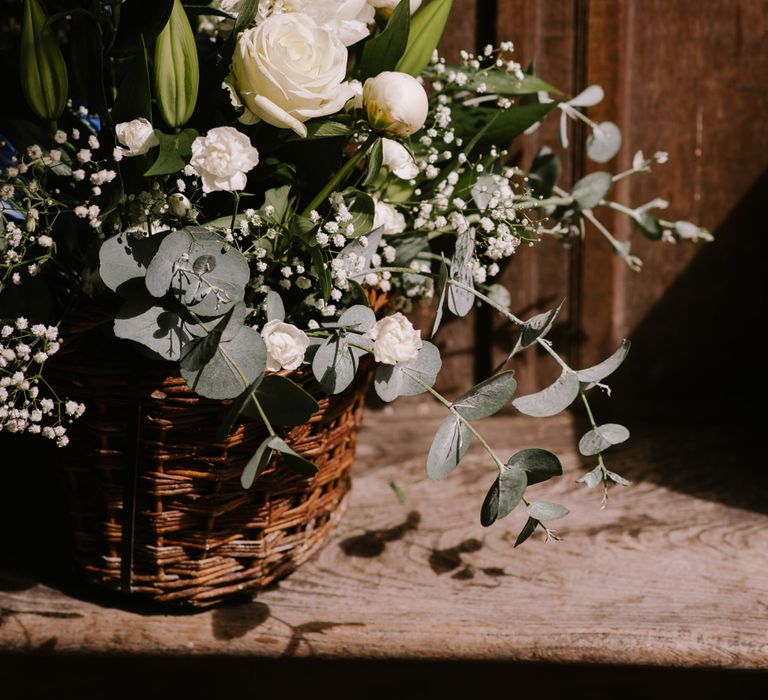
(590, 190)
(163, 331)
(284, 402)
(139, 23)
(399, 493)
(375, 161)
(408, 246)
(245, 16)
(427, 27)
(366, 252)
(501, 126)
(528, 529)
(649, 226)
(134, 96)
(237, 407)
(598, 372)
(391, 381)
(200, 351)
(449, 446)
(175, 151)
(358, 318)
(124, 258)
(362, 208)
(323, 129)
(382, 52)
(601, 438)
(202, 271)
(604, 142)
(335, 364)
(500, 82)
(234, 367)
(538, 464)
(488, 397)
(256, 464)
(617, 478)
(274, 307)
(279, 200)
(322, 271)
(550, 401)
(545, 510)
(461, 301)
(292, 459)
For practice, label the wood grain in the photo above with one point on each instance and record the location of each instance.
(673, 573)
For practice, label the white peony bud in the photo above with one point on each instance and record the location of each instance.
(387, 216)
(395, 103)
(288, 70)
(286, 345)
(136, 136)
(397, 158)
(222, 158)
(394, 340)
(179, 205)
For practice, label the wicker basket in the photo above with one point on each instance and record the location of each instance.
(155, 500)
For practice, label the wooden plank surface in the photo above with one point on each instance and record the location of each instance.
(673, 573)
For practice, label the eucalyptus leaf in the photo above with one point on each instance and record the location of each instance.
(545, 510)
(256, 464)
(161, 330)
(550, 401)
(392, 381)
(233, 368)
(442, 289)
(365, 251)
(601, 438)
(545, 172)
(592, 478)
(237, 407)
(461, 301)
(590, 190)
(449, 446)
(503, 496)
(598, 372)
(362, 208)
(359, 318)
(604, 142)
(617, 478)
(538, 464)
(528, 529)
(335, 364)
(274, 306)
(538, 326)
(408, 246)
(124, 258)
(293, 460)
(488, 397)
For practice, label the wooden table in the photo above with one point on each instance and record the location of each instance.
(673, 573)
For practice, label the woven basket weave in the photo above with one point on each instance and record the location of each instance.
(155, 500)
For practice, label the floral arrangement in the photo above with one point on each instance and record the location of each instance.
(268, 187)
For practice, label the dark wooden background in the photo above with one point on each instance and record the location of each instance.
(686, 76)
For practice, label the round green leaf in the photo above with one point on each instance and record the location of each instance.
(604, 142)
(449, 446)
(538, 464)
(601, 438)
(488, 397)
(391, 381)
(550, 401)
(544, 510)
(256, 464)
(588, 191)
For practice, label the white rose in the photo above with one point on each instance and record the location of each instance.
(392, 4)
(136, 137)
(395, 103)
(387, 216)
(222, 158)
(397, 158)
(347, 19)
(394, 340)
(286, 345)
(288, 70)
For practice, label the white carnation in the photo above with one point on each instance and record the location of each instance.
(286, 345)
(395, 340)
(387, 216)
(222, 158)
(136, 136)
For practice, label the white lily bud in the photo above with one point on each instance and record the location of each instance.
(395, 103)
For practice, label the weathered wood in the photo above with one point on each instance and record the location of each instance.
(691, 79)
(672, 573)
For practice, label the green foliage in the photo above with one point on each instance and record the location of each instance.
(174, 153)
(487, 398)
(256, 464)
(274, 306)
(590, 190)
(337, 360)
(460, 299)
(590, 376)
(139, 24)
(283, 401)
(408, 378)
(545, 173)
(427, 27)
(604, 142)
(294, 461)
(539, 465)
(544, 510)
(602, 437)
(134, 96)
(383, 51)
(449, 446)
(550, 401)
(498, 127)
